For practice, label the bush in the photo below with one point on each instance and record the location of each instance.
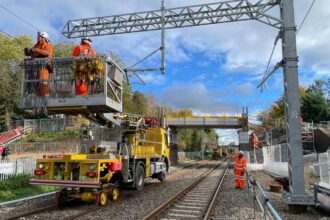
(15, 182)
(19, 187)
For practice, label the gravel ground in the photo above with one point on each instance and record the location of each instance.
(233, 203)
(278, 203)
(22, 207)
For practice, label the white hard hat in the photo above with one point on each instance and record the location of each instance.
(241, 153)
(44, 35)
(86, 39)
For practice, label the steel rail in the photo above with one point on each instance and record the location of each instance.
(14, 202)
(37, 211)
(212, 203)
(162, 208)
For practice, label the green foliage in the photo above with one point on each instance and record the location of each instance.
(11, 53)
(140, 104)
(63, 49)
(11, 49)
(18, 187)
(314, 106)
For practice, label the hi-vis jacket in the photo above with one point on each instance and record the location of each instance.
(83, 50)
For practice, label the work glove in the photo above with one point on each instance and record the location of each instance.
(27, 51)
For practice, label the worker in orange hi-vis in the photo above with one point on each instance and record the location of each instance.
(239, 170)
(255, 141)
(42, 49)
(84, 49)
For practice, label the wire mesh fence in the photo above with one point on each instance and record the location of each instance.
(324, 164)
(46, 125)
(42, 125)
(21, 149)
(11, 168)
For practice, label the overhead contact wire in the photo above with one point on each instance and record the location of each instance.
(20, 18)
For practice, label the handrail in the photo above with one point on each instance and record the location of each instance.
(255, 185)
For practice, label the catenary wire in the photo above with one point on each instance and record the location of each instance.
(20, 18)
(300, 26)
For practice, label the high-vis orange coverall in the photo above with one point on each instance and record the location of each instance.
(82, 50)
(239, 171)
(43, 49)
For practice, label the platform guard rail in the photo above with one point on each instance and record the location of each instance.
(91, 83)
(262, 199)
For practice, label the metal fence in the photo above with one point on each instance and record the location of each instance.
(46, 125)
(11, 168)
(195, 154)
(324, 164)
(42, 125)
(45, 148)
(276, 153)
(261, 199)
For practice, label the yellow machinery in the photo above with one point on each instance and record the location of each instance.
(110, 158)
(120, 154)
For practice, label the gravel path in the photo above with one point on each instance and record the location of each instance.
(278, 203)
(233, 203)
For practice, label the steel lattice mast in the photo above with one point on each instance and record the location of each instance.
(215, 13)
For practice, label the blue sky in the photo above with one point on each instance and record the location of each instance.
(211, 69)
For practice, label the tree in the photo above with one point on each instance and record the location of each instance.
(315, 107)
(63, 49)
(11, 53)
(140, 103)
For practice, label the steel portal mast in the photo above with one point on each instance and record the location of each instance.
(215, 13)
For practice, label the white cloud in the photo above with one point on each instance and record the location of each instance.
(244, 89)
(197, 97)
(227, 135)
(153, 78)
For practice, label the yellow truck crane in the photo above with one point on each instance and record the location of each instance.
(112, 156)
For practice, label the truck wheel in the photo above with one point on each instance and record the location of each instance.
(103, 198)
(114, 194)
(61, 197)
(161, 176)
(139, 178)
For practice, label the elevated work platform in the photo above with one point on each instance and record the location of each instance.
(226, 122)
(72, 85)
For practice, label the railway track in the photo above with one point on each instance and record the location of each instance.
(197, 200)
(73, 210)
